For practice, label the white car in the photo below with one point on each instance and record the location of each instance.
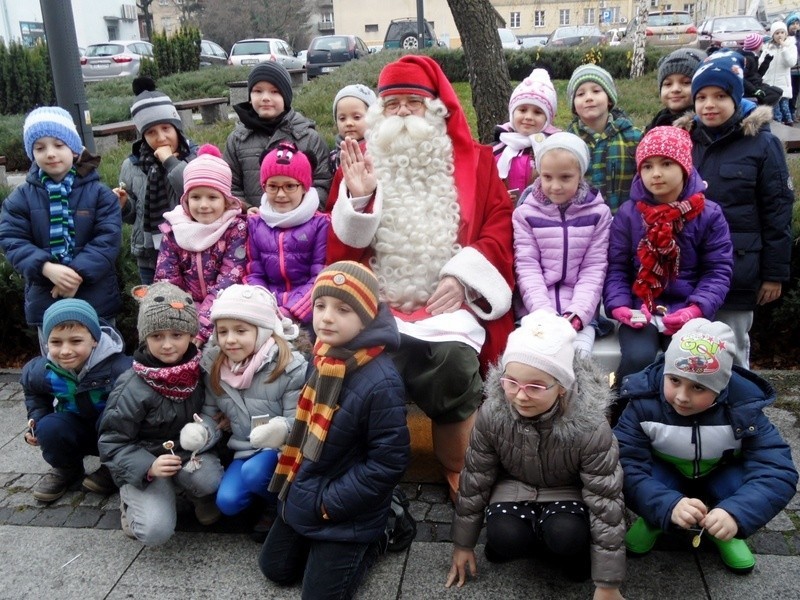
(508, 39)
(258, 50)
(117, 58)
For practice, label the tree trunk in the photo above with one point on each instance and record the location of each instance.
(639, 39)
(486, 63)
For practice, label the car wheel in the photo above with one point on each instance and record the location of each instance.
(409, 42)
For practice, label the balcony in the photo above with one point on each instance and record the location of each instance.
(325, 26)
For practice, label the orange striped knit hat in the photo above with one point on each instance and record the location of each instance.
(350, 282)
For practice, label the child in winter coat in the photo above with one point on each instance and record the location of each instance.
(745, 168)
(66, 392)
(542, 464)
(265, 120)
(254, 378)
(561, 238)
(607, 131)
(697, 450)
(348, 447)
(350, 115)
(670, 253)
(793, 26)
(531, 109)
(204, 248)
(780, 54)
(675, 84)
(754, 86)
(288, 238)
(141, 426)
(61, 229)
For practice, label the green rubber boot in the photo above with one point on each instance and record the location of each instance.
(641, 537)
(735, 555)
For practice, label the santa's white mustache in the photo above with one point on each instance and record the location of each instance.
(416, 128)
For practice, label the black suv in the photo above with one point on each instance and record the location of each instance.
(403, 33)
(327, 53)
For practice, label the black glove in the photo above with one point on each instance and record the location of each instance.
(759, 94)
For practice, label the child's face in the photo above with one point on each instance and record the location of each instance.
(676, 92)
(266, 100)
(687, 397)
(351, 118)
(779, 36)
(530, 401)
(162, 135)
(206, 204)
(70, 346)
(560, 176)
(53, 157)
(794, 27)
(663, 177)
(283, 193)
(335, 322)
(714, 106)
(236, 339)
(168, 345)
(591, 103)
(528, 119)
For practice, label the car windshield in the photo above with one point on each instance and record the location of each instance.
(105, 50)
(506, 35)
(332, 43)
(567, 32)
(669, 19)
(254, 47)
(737, 24)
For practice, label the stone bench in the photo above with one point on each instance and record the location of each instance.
(108, 135)
(211, 110)
(789, 136)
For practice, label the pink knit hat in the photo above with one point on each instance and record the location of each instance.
(536, 89)
(672, 142)
(752, 42)
(288, 161)
(208, 170)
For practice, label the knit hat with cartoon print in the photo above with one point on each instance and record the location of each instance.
(592, 73)
(352, 283)
(151, 107)
(536, 89)
(288, 161)
(673, 142)
(164, 306)
(50, 121)
(209, 170)
(543, 340)
(702, 351)
(723, 69)
(683, 61)
(256, 305)
(355, 90)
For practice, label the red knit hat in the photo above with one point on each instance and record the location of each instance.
(209, 170)
(288, 161)
(672, 142)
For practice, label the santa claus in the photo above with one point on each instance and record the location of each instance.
(426, 210)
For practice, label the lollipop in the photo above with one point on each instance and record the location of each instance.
(169, 445)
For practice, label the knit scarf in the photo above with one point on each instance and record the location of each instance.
(319, 400)
(64, 385)
(300, 214)
(174, 382)
(240, 375)
(156, 195)
(62, 224)
(516, 144)
(197, 237)
(658, 250)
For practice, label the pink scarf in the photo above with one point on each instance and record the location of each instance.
(240, 375)
(196, 237)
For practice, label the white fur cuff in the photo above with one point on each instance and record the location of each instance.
(354, 228)
(476, 273)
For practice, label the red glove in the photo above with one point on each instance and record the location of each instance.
(575, 321)
(674, 321)
(623, 314)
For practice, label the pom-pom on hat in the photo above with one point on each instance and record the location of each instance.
(595, 74)
(723, 69)
(252, 304)
(50, 121)
(71, 309)
(673, 142)
(752, 42)
(536, 89)
(702, 351)
(565, 141)
(209, 170)
(352, 283)
(287, 160)
(683, 61)
(543, 340)
(152, 107)
(276, 74)
(356, 90)
(164, 306)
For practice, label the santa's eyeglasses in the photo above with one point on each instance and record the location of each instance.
(413, 104)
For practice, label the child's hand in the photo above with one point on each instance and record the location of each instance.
(768, 292)
(30, 435)
(675, 320)
(720, 524)
(163, 153)
(223, 422)
(359, 176)
(574, 320)
(462, 558)
(166, 465)
(623, 314)
(63, 277)
(122, 196)
(607, 594)
(253, 210)
(688, 512)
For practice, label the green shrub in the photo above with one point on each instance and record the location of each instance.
(25, 78)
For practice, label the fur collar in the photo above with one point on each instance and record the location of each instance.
(751, 124)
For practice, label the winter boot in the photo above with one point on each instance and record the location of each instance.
(735, 555)
(100, 482)
(123, 521)
(205, 509)
(641, 537)
(55, 483)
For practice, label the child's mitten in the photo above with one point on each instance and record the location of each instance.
(193, 437)
(674, 321)
(270, 435)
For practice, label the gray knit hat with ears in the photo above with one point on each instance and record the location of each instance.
(356, 90)
(164, 307)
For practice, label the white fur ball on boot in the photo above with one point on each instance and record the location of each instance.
(270, 435)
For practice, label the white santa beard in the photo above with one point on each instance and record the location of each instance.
(418, 232)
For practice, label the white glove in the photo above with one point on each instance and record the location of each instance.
(270, 435)
(193, 437)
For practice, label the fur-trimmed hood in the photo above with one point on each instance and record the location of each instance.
(752, 122)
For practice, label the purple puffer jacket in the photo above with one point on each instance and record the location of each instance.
(560, 253)
(221, 265)
(706, 259)
(287, 261)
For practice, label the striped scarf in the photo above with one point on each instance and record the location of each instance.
(62, 225)
(318, 402)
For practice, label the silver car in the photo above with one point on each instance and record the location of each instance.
(257, 50)
(117, 58)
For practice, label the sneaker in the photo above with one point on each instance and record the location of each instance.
(205, 509)
(735, 555)
(55, 483)
(123, 521)
(100, 482)
(641, 537)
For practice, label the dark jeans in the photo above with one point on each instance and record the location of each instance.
(146, 275)
(65, 438)
(329, 570)
(639, 348)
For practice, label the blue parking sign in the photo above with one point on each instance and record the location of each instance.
(605, 16)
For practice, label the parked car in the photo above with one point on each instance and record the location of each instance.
(117, 58)
(665, 28)
(727, 32)
(257, 50)
(303, 55)
(212, 54)
(403, 33)
(326, 53)
(508, 39)
(576, 35)
(532, 41)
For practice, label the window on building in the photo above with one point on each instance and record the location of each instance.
(166, 24)
(589, 16)
(371, 28)
(615, 14)
(327, 17)
(667, 7)
(654, 3)
(563, 16)
(538, 18)
(514, 21)
(689, 8)
(163, 2)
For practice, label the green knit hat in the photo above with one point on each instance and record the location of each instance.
(352, 283)
(595, 74)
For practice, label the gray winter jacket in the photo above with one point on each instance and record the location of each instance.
(568, 453)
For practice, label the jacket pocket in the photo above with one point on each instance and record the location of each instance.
(746, 261)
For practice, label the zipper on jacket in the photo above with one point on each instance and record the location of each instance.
(200, 275)
(282, 264)
(698, 449)
(565, 247)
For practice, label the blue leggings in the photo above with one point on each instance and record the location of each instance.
(245, 478)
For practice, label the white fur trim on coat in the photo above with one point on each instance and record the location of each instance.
(481, 278)
(353, 227)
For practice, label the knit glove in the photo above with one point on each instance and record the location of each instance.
(623, 314)
(575, 321)
(194, 436)
(674, 321)
(270, 435)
